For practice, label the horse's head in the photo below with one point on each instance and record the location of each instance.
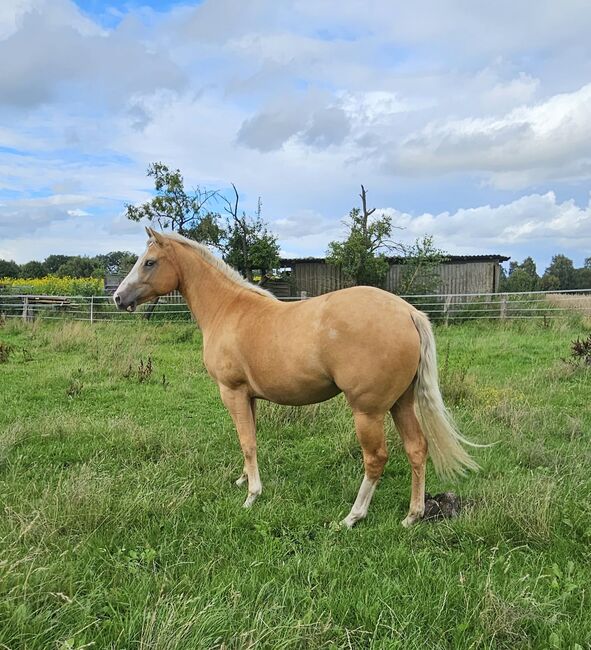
(154, 274)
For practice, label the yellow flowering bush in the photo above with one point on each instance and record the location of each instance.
(51, 285)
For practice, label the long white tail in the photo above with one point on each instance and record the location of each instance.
(445, 441)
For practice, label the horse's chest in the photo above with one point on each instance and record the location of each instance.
(223, 367)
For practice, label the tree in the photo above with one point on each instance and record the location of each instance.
(9, 269)
(32, 269)
(421, 272)
(175, 208)
(582, 279)
(362, 256)
(116, 262)
(53, 262)
(245, 242)
(522, 277)
(249, 244)
(77, 266)
(561, 268)
(549, 282)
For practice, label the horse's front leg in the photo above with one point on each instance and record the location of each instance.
(242, 410)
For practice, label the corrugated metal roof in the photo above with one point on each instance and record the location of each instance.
(450, 259)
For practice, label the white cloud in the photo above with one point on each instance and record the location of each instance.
(552, 138)
(530, 221)
(26, 216)
(55, 52)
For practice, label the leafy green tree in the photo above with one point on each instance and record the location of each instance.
(582, 278)
(32, 269)
(9, 269)
(583, 275)
(245, 242)
(362, 256)
(52, 263)
(174, 207)
(77, 266)
(248, 243)
(549, 282)
(116, 262)
(522, 277)
(421, 271)
(562, 268)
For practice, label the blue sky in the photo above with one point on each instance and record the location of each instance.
(470, 122)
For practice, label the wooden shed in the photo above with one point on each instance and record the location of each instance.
(458, 274)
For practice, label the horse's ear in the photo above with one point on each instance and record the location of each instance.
(158, 237)
(155, 236)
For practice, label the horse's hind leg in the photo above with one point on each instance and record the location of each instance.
(415, 445)
(370, 432)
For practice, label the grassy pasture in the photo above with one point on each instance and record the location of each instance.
(121, 528)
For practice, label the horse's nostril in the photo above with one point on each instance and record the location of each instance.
(117, 299)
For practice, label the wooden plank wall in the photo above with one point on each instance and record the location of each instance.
(468, 277)
(456, 277)
(317, 278)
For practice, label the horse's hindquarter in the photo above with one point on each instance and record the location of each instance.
(373, 346)
(361, 341)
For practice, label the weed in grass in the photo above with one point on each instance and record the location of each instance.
(144, 371)
(453, 378)
(75, 387)
(26, 355)
(137, 559)
(5, 351)
(581, 351)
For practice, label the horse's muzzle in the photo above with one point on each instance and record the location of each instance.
(123, 305)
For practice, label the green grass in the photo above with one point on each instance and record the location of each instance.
(121, 526)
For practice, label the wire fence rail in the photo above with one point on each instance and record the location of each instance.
(440, 307)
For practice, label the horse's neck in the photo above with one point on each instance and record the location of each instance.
(205, 288)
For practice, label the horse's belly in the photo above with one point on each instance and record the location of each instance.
(294, 391)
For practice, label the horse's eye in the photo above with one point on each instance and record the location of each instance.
(150, 263)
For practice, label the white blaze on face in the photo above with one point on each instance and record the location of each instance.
(132, 278)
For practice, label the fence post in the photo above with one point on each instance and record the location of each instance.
(25, 308)
(91, 310)
(504, 307)
(151, 307)
(446, 307)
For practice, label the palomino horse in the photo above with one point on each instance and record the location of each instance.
(369, 344)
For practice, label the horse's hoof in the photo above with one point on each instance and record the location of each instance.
(250, 499)
(410, 520)
(348, 522)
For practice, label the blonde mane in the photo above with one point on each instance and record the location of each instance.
(218, 264)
